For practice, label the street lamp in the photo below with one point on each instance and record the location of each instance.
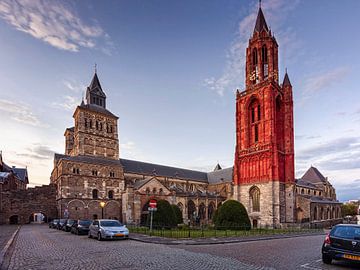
(102, 205)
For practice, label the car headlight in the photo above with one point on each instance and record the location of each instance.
(107, 232)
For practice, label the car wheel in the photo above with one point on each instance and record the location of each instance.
(99, 237)
(326, 259)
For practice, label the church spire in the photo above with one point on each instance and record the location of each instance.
(286, 81)
(260, 21)
(94, 93)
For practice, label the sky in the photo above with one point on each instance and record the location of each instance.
(170, 70)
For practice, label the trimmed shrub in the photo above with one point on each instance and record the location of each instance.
(164, 216)
(232, 215)
(177, 213)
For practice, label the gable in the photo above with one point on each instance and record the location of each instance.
(150, 185)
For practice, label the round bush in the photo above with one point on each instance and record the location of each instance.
(177, 213)
(164, 216)
(232, 215)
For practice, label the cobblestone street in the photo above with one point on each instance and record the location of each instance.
(38, 247)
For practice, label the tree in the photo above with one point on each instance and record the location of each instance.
(232, 215)
(164, 216)
(349, 209)
(177, 213)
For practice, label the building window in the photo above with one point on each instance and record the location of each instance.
(147, 190)
(255, 199)
(252, 115)
(97, 125)
(154, 190)
(95, 194)
(319, 193)
(309, 191)
(101, 126)
(256, 137)
(258, 112)
(161, 192)
(90, 123)
(111, 194)
(76, 170)
(112, 174)
(94, 173)
(302, 191)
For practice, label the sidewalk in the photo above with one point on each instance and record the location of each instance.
(214, 240)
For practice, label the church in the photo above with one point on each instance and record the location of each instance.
(262, 178)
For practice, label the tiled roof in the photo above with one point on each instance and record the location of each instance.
(88, 159)
(219, 176)
(303, 183)
(96, 108)
(313, 175)
(133, 166)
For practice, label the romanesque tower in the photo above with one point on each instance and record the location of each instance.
(264, 155)
(90, 172)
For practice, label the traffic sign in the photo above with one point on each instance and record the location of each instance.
(153, 203)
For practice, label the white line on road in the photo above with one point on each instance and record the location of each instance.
(306, 266)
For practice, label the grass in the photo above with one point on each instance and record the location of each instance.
(210, 232)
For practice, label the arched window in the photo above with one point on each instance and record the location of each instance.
(264, 59)
(161, 191)
(147, 190)
(154, 190)
(111, 194)
(254, 119)
(254, 58)
(95, 194)
(255, 199)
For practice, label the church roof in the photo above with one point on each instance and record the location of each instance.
(87, 159)
(260, 22)
(313, 175)
(21, 173)
(133, 166)
(95, 84)
(219, 176)
(306, 184)
(286, 81)
(99, 109)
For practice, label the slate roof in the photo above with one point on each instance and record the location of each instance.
(260, 22)
(303, 183)
(314, 176)
(87, 159)
(4, 176)
(133, 166)
(21, 173)
(286, 81)
(96, 108)
(219, 176)
(95, 84)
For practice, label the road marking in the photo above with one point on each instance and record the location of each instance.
(306, 266)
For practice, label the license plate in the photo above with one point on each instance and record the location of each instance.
(119, 234)
(352, 257)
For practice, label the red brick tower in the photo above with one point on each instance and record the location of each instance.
(264, 154)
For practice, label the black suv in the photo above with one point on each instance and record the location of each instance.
(342, 243)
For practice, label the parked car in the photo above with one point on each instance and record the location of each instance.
(53, 223)
(108, 229)
(342, 243)
(81, 226)
(60, 224)
(67, 225)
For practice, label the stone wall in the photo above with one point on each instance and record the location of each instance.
(19, 205)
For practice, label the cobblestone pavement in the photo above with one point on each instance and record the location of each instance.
(291, 253)
(38, 247)
(6, 231)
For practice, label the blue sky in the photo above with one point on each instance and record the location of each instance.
(170, 70)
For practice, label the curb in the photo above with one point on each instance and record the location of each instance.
(6, 250)
(243, 240)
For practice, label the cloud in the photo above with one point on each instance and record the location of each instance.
(38, 152)
(69, 103)
(74, 86)
(20, 112)
(234, 71)
(349, 191)
(334, 147)
(52, 22)
(325, 80)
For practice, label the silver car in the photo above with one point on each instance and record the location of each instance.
(108, 229)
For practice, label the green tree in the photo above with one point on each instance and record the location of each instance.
(349, 209)
(232, 215)
(177, 213)
(164, 216)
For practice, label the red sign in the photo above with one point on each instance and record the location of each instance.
(152, 203)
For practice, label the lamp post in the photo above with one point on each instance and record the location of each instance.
(102, 205)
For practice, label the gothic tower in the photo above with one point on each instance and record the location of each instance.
(264, 155)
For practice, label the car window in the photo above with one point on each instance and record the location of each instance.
(85, 222)
(347, 232)
(96, 223)
(110, 223)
